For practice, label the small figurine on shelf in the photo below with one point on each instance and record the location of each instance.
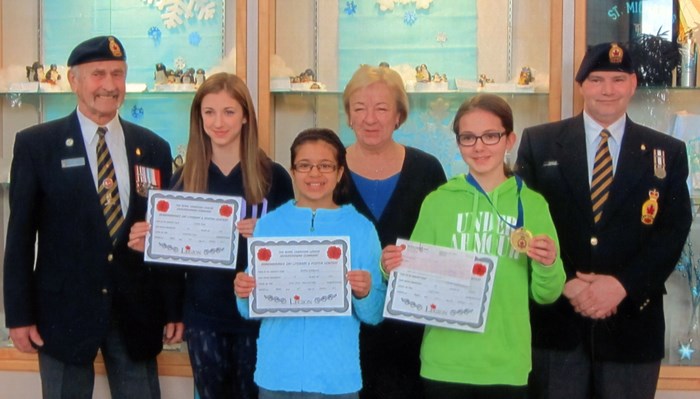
(52, 76)
(172, 76)
(483, 79)
(384, 64)
(422, 73)
(308, 76)
(161, 76)
(35, 73)
(525, 77)
(199, 77)
(187, 76)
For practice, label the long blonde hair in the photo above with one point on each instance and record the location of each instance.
(255, 165)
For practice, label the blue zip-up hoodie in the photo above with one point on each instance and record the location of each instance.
(319, 354)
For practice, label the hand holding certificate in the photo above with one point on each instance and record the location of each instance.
(300, 276)
(441, 287)
(192, 229)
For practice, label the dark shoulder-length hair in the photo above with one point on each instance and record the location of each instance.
(340, 193)
(256, 167)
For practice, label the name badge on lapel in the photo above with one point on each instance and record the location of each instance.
(146, 178)
(72, 162)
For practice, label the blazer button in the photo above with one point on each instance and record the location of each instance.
(110, 258)
(105, 291)
(594, 241)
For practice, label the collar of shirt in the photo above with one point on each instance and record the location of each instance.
(592, 128)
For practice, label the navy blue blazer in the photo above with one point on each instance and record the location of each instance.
(81, 282)
(552, 160)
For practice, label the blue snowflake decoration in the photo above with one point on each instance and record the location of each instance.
(686, 351)
(155, 34)
(137, 112)
(410, 18)
(195, 38)
(350, 7)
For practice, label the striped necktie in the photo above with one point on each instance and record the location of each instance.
(602, 176)
(107, 189)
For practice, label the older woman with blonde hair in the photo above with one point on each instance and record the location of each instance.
(388, 184)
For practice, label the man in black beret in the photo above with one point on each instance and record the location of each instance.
(618, 196)
(73, 197)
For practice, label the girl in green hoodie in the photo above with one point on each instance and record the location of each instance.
(479, 212)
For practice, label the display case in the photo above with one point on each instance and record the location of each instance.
(463, 40)
(208, 35)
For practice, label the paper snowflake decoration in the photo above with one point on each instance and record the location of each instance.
(350, 7)
(179, 63)
(155, 34)
(176, 12)
(441, 38)
(410, 18)
(195, 38)
(137, 112)
(439, 109)
(686, 351)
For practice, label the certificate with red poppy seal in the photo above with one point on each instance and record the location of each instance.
(192, 229)
(300, 276)
(441, 287)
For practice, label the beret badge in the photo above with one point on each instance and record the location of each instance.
(615, 54)
(114, 47)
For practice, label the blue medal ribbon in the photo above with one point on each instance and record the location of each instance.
(519, 183)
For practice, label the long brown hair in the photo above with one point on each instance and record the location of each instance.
(255, 165)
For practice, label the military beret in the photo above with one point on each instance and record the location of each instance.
(100, 48)
(605, 57)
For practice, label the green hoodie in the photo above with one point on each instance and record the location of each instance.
(457, 215)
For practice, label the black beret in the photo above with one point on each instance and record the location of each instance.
(100, 48)
(605, 57)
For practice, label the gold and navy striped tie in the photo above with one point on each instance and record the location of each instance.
(108, 190)
(602, 176)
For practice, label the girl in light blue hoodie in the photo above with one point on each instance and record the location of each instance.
(318, 357)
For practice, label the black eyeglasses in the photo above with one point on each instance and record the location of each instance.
(325, 167)
(469, 140)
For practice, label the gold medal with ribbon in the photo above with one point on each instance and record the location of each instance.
(650, 207)
(520, 240)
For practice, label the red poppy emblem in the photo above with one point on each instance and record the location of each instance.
(334, 252)
(264, 254)
(297, 297)
(187, 248)
(225, 211)
(479, 269)
(433, 306)
(163, 206)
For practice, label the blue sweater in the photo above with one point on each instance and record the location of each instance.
(319, 354)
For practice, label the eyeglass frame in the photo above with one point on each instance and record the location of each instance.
(318, 167)
(477, 138)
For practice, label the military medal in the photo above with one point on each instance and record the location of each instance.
(659, 163)
(650, 207)
(146, 178)
(520, 239)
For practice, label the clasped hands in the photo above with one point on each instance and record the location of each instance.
(595, 296)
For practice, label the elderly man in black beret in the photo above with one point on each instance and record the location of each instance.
(617, 193)
(71, 285)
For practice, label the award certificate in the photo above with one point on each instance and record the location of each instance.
(300, 276)
(441, 287)
(192, 229)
